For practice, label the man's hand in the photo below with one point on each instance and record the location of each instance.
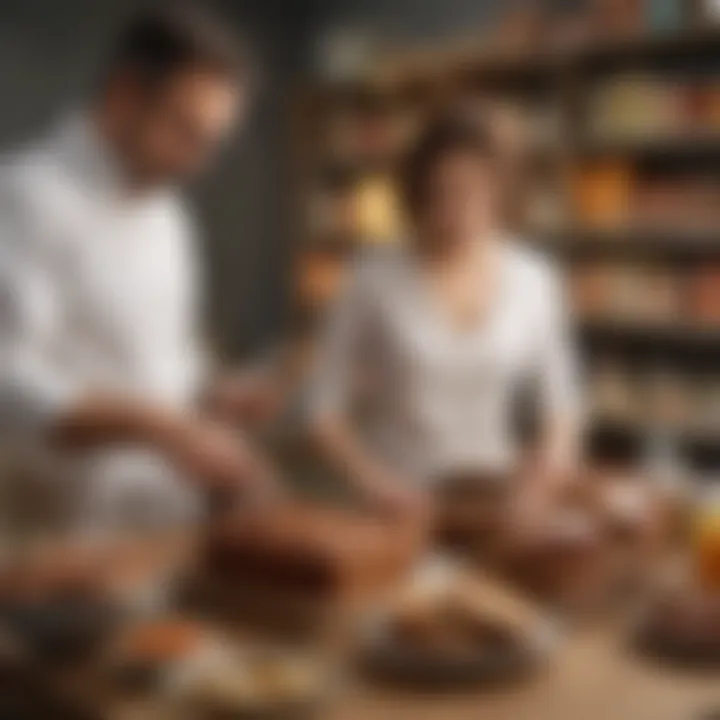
(248, 398)
(218, 459)
(394, 496)
(210, 453)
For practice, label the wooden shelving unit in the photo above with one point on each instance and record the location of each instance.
(674, 246)
(561, 79)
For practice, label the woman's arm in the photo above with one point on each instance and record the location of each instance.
(378, 484)
(340, 356)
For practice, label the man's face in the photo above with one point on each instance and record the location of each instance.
(170, 134)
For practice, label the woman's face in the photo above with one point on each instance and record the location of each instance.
(461, 198)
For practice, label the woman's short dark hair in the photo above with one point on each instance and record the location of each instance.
(462, 129)
(158, 41)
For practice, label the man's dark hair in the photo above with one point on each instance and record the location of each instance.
(159, 41)
(459, 129)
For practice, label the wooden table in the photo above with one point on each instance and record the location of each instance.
(593, 677)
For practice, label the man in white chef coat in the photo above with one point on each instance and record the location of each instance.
(101, 375)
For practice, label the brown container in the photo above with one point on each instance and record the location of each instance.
(314, 551)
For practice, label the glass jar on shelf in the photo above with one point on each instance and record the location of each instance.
(706, 536)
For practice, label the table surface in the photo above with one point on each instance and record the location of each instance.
(592, 677)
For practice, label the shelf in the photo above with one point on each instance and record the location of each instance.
(625, 440)
(597, 53)
(572, 245)
(656, 46)
(663, 245)
(539, 65)
(670, 148)
(649, 344)
(536, 71)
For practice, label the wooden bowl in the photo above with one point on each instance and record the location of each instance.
(683, 628)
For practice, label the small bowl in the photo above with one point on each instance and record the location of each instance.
(683, 630)
(61, 630)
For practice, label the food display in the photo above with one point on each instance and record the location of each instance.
(651, 108)
(378, 211)
(704, 296)
(601, 194)
(628, 293)
(613, 394)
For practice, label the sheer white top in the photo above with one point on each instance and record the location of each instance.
(442, 399)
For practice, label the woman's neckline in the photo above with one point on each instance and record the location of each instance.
(497, 260)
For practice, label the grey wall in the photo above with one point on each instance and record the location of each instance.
(49, 50)
(245, 204)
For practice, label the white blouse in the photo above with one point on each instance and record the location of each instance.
(441, 399)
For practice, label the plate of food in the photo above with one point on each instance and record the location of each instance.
(455, 630)
(56, 611)
(254, 683)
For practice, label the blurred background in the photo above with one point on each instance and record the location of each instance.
(609, 114)
(612, 108)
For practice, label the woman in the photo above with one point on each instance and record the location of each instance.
(442, 335)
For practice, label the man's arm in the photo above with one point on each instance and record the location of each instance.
(41, 404)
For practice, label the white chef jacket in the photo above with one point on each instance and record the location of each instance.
(98, 291)
(439, 399)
